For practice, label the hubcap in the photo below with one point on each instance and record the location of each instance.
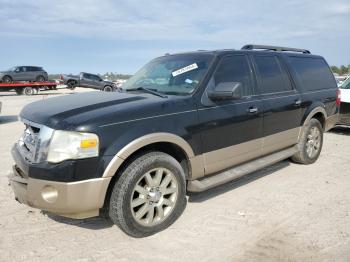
(313, 142)
(154, 197)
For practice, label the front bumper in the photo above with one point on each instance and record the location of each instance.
(81, 199)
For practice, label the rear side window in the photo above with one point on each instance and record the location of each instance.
(235, 69)
(273, 76)
(313, 73)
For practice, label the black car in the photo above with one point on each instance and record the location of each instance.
(184, 122)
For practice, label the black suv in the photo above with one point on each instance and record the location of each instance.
(184, 122)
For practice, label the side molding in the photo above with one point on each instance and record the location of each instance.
(196, 167)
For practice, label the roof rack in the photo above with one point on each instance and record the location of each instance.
(275, 48)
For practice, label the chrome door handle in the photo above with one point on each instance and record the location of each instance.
(253, 110)
(297, 102)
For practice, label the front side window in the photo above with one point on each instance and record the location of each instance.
(273, 77)
(235, 69)
(172, 74)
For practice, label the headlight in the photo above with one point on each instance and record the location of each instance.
(66, 145)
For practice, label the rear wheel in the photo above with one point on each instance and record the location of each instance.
(40, 79)
(149, 196)
(7, 79)
(108, 89)
(310, 144)
(71, 85)
(28, 91)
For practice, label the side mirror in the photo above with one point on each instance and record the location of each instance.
(226, 91)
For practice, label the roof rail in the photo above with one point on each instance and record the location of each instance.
(275, 48)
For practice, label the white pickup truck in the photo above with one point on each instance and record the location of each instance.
(345, 102)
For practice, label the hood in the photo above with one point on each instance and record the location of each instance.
(108, 82)
(80, 111)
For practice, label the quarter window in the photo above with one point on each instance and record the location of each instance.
(235, 69)
(273, 77)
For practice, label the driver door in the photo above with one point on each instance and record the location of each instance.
(231, 130)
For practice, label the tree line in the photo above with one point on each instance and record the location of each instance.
(342, 70)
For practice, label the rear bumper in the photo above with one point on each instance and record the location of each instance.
(80, 199)
(331, 121)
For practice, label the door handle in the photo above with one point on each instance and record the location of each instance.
(253, 110)
(297, 102)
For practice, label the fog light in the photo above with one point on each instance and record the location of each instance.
(49, 194)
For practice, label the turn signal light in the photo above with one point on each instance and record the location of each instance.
(88, 143)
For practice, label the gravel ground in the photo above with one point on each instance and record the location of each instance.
(286, 212)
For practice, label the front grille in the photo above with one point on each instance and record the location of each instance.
(29, 143)
(33, 144)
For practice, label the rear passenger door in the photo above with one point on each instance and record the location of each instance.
(87, 80)
(231, 130)
(281, 103)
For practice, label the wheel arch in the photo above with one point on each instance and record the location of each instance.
(168, 143)
(319, 113)
(7, 76)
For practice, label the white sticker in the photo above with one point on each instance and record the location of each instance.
(188, 81)
(184, 69)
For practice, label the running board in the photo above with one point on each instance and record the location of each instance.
(239, 171)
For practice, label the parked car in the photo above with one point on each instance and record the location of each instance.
(344, 118)
(184, 122)
(88, 80)
(24, 73)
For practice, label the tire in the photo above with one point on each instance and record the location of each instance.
(71, 85)
(19, 91)
(310, 143)
(108, 89)
(28, 91)
(7, 79)
(126, 193)
(40, 79)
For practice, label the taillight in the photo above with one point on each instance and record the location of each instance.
(338, 100)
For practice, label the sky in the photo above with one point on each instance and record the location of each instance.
(98, 36)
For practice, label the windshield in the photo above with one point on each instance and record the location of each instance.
(12, 69)
(346, 84)
(172, 74)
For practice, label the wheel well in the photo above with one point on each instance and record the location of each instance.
(7, 76)
(169, 148)
(320, 117)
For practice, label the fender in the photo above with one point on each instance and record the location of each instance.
(196, 163)
(313, 112)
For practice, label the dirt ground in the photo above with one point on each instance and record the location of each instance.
(286, 212)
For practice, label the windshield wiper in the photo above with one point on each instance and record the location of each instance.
(151, 91)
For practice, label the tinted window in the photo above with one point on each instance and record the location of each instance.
(235, 69)
(88, 76)
(313, 73)
(95, 77)
(273, 77)
(32, 68)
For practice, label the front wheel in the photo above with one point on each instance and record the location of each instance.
(108, 89)
(7, 79)
(149, 195)
(310, 144)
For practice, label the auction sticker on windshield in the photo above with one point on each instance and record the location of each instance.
(184, 69)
